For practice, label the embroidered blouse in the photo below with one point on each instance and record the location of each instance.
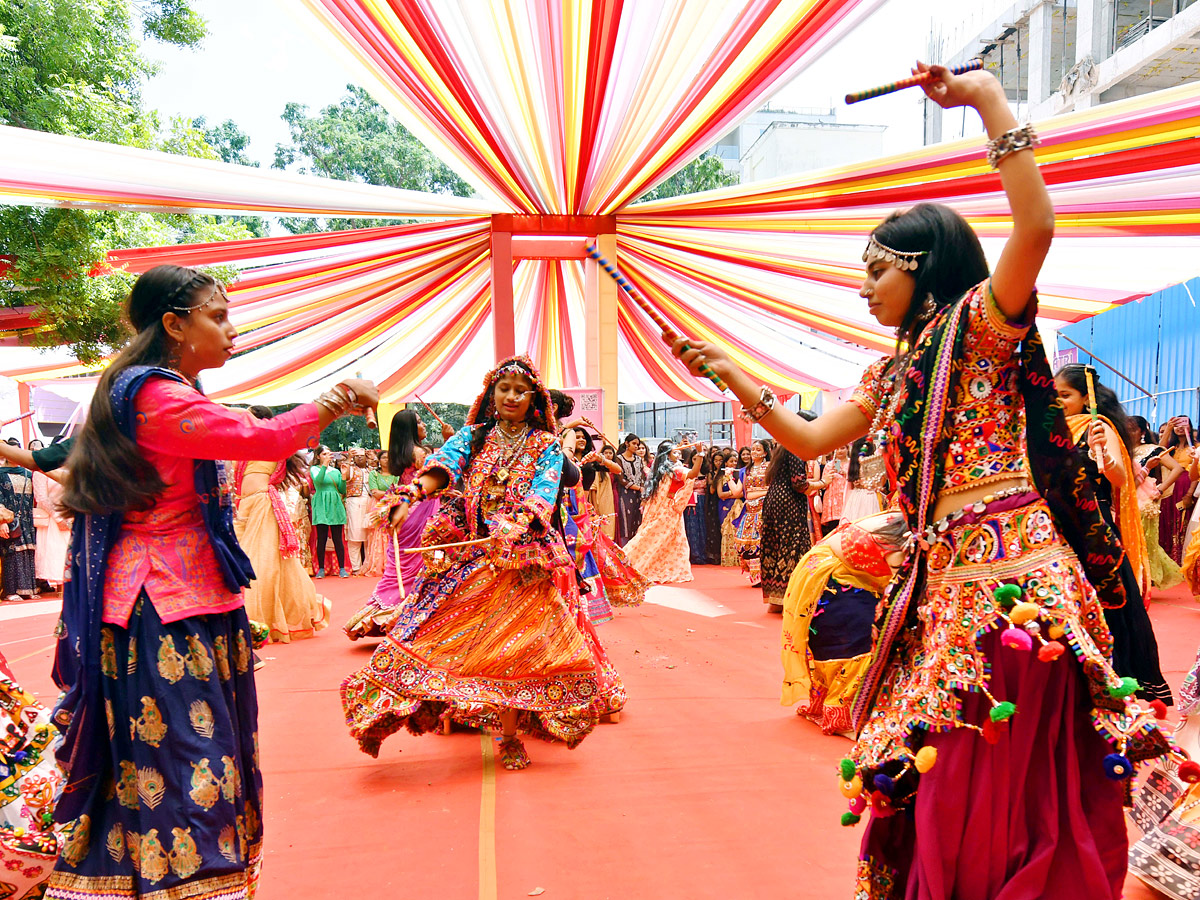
(987, 414)
(166, 549)
(503, 481)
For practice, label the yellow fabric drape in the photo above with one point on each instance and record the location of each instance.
(1129, 519)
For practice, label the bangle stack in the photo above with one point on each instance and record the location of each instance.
(337, 401)
(766, 403)
(1021, 138)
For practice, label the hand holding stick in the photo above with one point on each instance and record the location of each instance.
(912, 81)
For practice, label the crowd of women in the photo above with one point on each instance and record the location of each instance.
(961, 554)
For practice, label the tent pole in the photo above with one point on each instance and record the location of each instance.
(23, 397)
(600, 304)
(504, 325)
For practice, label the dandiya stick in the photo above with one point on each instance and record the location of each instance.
(396, 555)
(1093, 410)
(369, 414)
(430, 408)
(24, 415)
(668, 333)
(913, 81)
(446, 546)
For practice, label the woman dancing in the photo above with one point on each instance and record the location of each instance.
(282, 595)
(659, 551)
(1176, 508)
(160, 714)
(1023, 800)
(1104, 446)
(405, 454)
(487, 638)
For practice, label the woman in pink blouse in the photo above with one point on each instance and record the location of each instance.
(160, 713)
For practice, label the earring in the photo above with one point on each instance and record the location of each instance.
(928, 307)
(174, 356)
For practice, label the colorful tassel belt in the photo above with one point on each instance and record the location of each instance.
(1001, 501)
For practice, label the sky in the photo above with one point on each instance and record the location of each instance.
(259, 56)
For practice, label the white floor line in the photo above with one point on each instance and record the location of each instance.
(28, 609)
(686, 600)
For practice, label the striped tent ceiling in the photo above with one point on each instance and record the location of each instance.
(576, 108)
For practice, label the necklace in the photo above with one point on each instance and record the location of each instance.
(510, 430)
(511, 446)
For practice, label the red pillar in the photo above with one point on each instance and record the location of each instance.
(504, 320)
(23, 395)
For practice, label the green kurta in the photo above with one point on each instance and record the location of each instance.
(329, 489)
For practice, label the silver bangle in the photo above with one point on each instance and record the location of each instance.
(1022, 137)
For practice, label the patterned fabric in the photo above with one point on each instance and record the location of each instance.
(917, 452)
(282, 596)
(1172, 522)
(166, 549)
(29, 785)
(1135, 648)
(623, 584)
(828, 611)
(178, 812)
(1167, 856)
(749, 529)
(628, 487)
(487, 630)
(943, 657)
(835, 494)
(660, 551)
(499, 483)
(987, 417)
(785, 526)
(17, 551)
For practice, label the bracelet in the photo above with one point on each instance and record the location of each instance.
(1022, 137)
(334, 402)
(766, 403)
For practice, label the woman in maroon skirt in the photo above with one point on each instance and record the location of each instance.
(993, 734)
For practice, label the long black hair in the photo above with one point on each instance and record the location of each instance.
(863, 446)
(1172, 438)
(1142, 430)
(106, 471)
(589, 472)
(402, 442)
(1107, 404)
(952, 263)
(663, 468)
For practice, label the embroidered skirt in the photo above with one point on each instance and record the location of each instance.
(473, 643)
(178, 814)
(1022, 808)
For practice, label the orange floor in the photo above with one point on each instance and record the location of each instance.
(707, 788)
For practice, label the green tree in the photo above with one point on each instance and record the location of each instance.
(356, 139)
(75, 67)
(702, 174)
(228, 140)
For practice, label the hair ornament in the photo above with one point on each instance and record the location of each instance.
(901, 259)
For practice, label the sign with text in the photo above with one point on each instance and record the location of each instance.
(1067, 357)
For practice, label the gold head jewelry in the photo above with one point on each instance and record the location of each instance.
(901, 259)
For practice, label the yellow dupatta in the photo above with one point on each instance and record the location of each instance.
(1125, 503)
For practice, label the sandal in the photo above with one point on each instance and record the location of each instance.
(512, 752)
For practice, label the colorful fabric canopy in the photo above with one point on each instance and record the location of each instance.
(577, 107)
(40, 168)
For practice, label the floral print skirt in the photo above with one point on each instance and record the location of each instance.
(177, 812)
